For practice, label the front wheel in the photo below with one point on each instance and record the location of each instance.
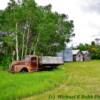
(24, 70)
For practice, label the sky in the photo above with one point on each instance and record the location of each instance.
(84, 13)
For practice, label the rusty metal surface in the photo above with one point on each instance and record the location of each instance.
(29, 65)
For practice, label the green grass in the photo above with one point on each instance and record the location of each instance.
(17, 86)
(82, 78)
(75, 78)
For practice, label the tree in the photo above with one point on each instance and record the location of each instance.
(34, 29)
(83, 47)
(54, 30)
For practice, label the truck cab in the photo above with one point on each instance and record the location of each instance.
(30, 64)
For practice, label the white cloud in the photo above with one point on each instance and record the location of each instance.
(91, 5)
(3, 4)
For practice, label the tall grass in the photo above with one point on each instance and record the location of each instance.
(82, 78)
(17, 86)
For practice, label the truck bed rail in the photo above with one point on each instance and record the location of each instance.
(51, 60)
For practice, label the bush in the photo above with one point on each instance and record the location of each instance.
(4, 62)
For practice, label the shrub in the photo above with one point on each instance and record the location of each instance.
(4, 62)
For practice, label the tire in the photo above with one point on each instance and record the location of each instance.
(24, 70)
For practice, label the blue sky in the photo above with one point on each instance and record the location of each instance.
(85, 13)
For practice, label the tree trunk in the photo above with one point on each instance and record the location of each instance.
(17, 50)
(23, 45)
(26, 49)
(31, 49)
(35, 46)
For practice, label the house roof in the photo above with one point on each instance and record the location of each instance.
(85, 52)
(74, 52)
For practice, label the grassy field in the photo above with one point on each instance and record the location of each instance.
(82, 83)
(65, 83)
(22, 85)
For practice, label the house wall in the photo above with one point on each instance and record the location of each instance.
(86, 57)
(78, 57)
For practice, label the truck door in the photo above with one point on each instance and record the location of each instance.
(34, 63)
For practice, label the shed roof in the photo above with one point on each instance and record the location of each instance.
(75, 52)
(85, 52)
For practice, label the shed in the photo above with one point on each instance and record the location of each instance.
(66, 54)
(77, 55)
(86, 55)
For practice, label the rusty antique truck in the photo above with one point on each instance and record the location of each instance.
(33, 63)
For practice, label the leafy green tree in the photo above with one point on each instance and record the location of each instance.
(33, 29)
(83, 47)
